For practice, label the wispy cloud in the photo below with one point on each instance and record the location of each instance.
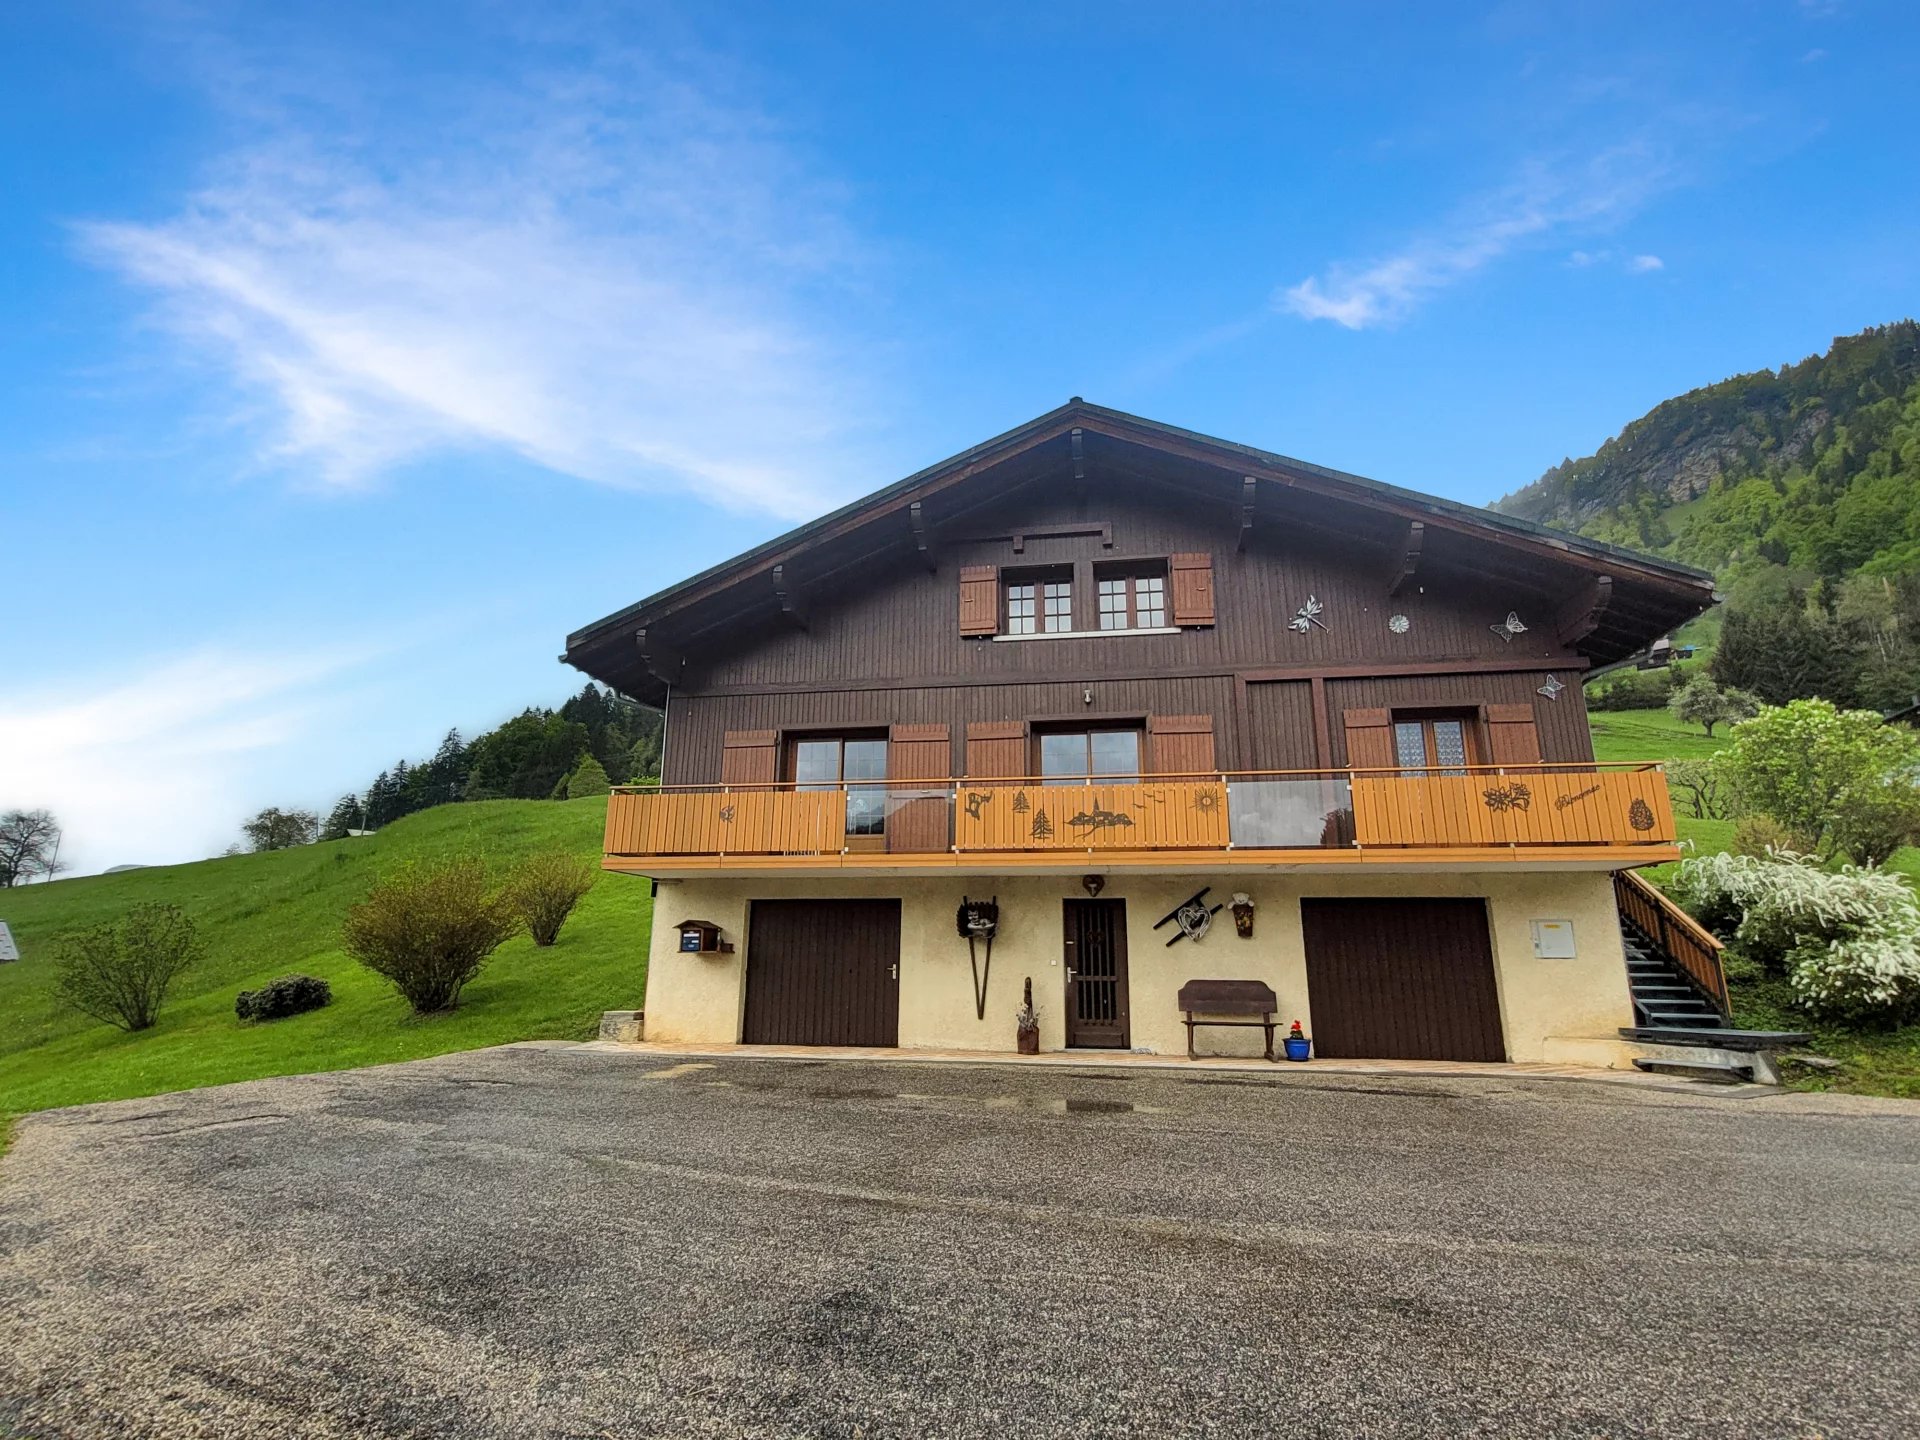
(1546, 201)
(1646, 264)
(643, 292)
(151, 763)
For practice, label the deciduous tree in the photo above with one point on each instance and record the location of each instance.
(277, 829)
(29, 846)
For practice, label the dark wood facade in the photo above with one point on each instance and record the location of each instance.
(890, 650)
(892, 614)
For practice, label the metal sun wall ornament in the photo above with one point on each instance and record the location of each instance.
(1307, 616)
(1509, 627)
(1552, 688)
(1399, 624)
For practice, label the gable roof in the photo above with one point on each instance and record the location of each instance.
(1079, 435)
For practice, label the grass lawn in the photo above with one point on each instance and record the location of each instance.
(1649, 735)
(268, 915)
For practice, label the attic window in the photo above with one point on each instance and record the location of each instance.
(1039, 602)
(1132, 598)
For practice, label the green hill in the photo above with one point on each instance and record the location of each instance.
(267, 915)
(1800, 489)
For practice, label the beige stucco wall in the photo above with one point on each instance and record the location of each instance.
(1556, 1011)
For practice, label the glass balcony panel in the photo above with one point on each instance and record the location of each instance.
(1290, 813)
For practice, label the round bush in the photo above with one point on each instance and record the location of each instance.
(289, 995)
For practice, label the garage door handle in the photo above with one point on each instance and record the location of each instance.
(893, 970)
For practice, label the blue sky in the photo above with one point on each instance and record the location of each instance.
(354, 354)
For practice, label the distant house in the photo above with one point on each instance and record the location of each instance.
(1107, 674)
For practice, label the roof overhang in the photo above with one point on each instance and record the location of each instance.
(1610, 601)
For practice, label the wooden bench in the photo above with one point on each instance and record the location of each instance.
(1229, 997)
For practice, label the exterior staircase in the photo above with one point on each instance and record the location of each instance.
(1664, 995)
(1680, 993)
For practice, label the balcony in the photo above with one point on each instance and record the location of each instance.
(1545, 817)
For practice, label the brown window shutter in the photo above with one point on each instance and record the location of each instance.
(750, 757)
(979, 600)
(996, 749)
(917, 813)
(1192, 585)
(1369, 739)
(1513, 735)
(1180, 744)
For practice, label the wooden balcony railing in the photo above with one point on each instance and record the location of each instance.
(1478, 808)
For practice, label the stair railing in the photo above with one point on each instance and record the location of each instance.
(1680, 938)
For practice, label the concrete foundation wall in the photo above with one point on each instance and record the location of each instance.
(1554, 1011)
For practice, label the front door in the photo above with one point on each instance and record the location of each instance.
(1096, 956)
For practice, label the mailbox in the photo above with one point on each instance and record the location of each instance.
(702, 937)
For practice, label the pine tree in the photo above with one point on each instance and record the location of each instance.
(345, 816)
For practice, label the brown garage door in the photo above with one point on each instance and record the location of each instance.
(823, 972)
(1401, 980)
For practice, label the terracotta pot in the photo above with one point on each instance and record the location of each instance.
(1029, 1042)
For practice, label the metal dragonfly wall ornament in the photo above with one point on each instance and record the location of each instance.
(1308, 616)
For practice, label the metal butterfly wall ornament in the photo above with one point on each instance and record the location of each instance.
(1509, 627)
(1307, 616)
(1552, 688)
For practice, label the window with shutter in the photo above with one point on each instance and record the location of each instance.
(1512, 735)
(996, 749)
(1369, 739)
(749, 757)
(979, 599)
(1192, 576)
(1180, 744)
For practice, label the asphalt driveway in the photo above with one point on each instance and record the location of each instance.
(561, 1242)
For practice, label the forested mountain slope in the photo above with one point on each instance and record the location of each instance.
(1800, 489)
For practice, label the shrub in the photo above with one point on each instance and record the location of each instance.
(119, 972)
(289, 995)
(589, 779)
(429, 929)
(1634, 690)
(546, 888)
(1842, 779)
(1697, 788)
(1761, 835)
(1847, 941)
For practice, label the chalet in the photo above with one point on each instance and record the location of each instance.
(1175, 709)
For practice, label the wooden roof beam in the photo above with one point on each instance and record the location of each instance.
(1247, 489)
(917, 521)
(1407, 565)
(660, 659)
(793, 608)
(1583, 611)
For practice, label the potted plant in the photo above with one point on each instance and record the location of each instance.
(1299, 1047)
(1027, 1022)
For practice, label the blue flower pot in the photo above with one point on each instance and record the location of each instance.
(1298, 1049)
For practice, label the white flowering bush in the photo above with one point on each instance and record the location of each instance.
(1848, 941)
